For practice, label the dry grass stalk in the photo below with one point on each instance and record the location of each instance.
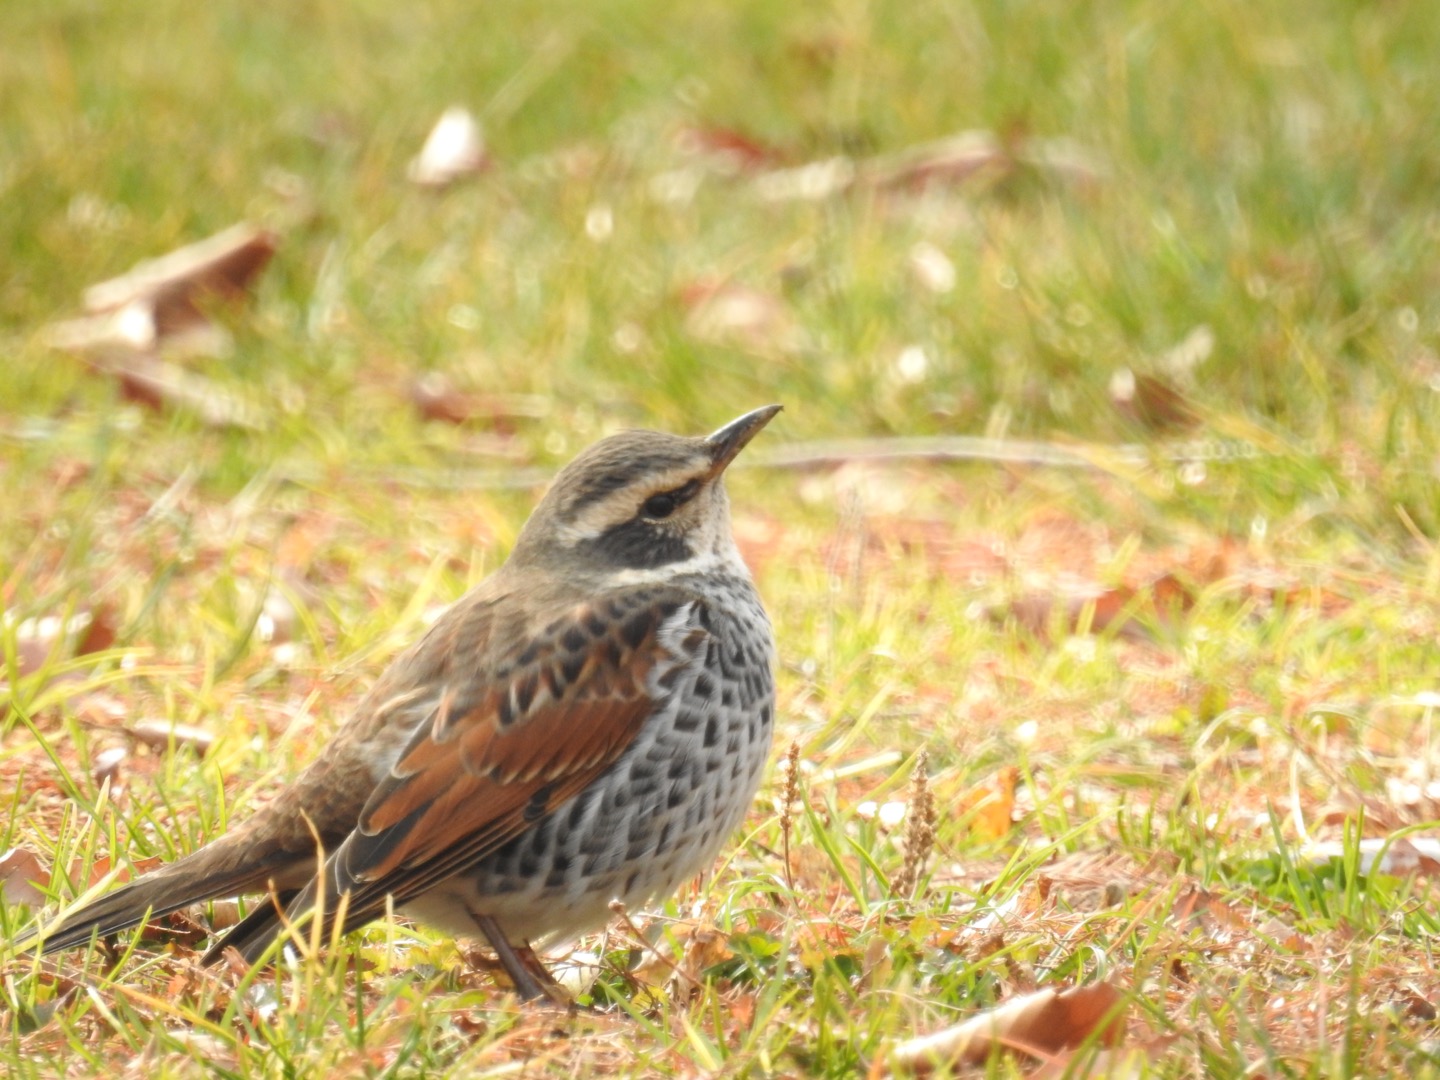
(919, 838)
(789, 796)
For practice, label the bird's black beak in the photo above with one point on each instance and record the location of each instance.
(733, 437)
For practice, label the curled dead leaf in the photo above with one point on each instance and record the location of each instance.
(107, 766)
(164, 302)
(221, 266)
(1129, 610)
(55, 638)
(1039, 1024)
(1151, 402)
(22, 877)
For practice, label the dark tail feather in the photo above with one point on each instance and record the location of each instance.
(156, 894)
(253, 934)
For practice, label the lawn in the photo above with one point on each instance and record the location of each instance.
(1103, 518)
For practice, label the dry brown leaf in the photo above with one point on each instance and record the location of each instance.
(1419, 1004)
(222, 266)
(990, 806)
(705, 946)
(968, 155)
(454, 148)
(1129, 610)
(436, 397)
(1207, 912)
(158, 384)
(1039, 1024)
(86, 631)
(106, 765)
(972, 158)
(727, 151)
(22, 876)
(1121, 1063)
(1151, 402)
(165, 301)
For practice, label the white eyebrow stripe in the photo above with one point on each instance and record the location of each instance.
(618, 507)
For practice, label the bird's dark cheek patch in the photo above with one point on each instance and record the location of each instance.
(641, 546)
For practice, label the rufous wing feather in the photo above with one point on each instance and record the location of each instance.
(523, 736)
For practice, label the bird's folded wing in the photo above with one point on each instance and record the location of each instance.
(516, 741)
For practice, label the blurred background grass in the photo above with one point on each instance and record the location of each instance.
(1266, 173)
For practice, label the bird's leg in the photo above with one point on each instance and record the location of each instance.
(522, 965)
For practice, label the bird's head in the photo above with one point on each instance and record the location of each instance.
(641, 503)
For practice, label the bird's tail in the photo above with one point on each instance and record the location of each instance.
(215, 871)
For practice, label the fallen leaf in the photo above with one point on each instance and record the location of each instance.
(726, 151)
(1281, 933)
(158, 384)
(159, 734)
(1419, 1005)
(165, 301)
(1131, 611)
(1405, 856)
(966, 156)
(224, 914)
(990, 806)
(1039, 1024)
(223, 266)
(436, 397)
(1151, 402)
(84, 632)
(1205, 911)
(704, 947)
(22, 876)
(971, 158)
(106, 766)
(454, 148)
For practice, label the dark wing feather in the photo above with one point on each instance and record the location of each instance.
(510, 741)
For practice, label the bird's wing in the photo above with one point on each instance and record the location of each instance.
(516, 734)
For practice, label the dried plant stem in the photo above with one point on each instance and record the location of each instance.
(789, 796)
(919, 831)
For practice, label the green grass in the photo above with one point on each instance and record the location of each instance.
(1266, 173)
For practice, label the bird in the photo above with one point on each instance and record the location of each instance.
(588, 724)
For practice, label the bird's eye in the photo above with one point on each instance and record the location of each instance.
(660, 506)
